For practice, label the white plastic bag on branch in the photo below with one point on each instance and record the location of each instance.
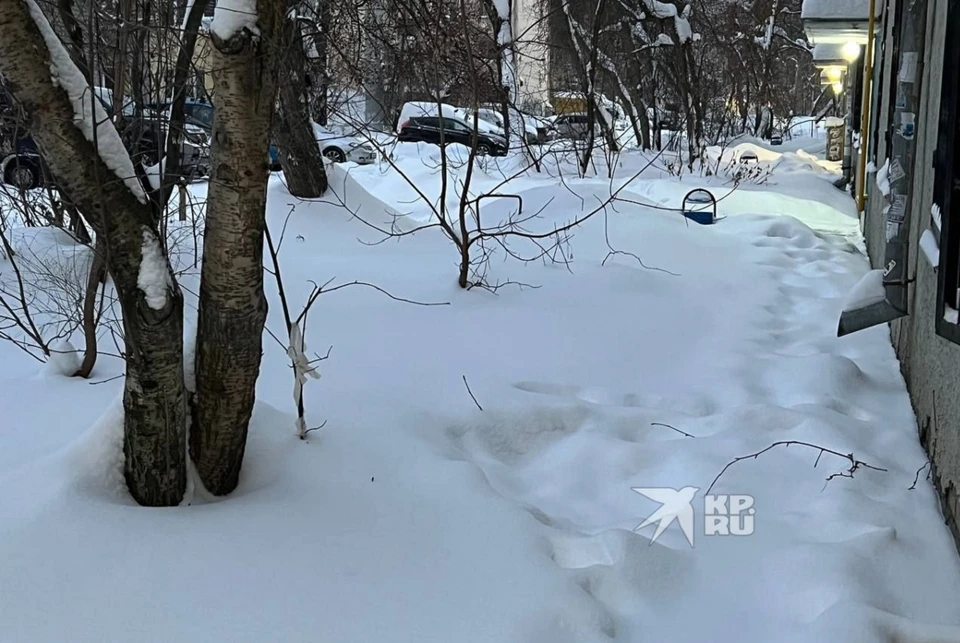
(301, 365)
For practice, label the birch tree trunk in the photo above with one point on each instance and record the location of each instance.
(233, 309)
(153, 399)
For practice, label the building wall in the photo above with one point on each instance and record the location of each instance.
(874, 229)
(528, 31)
(930, 363)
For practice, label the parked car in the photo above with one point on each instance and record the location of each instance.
(341, 148)
(198, 128)
(21, 166)
(418, 109)
(273, 157)
(431, 129)
(338, 148)
(488, 115)
(570, 126)
(537, 131)
(575, 126)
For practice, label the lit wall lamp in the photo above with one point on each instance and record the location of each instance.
(837, 88)
(834, 74)
(850, 52)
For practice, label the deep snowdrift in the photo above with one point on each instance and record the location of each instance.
(414, 516)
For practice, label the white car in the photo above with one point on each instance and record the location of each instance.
(491, 116)
(341, 148)
(535, 133)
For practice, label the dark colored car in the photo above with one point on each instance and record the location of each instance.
(22, 166)
(427, 129)
(198, 128)
(20, 162)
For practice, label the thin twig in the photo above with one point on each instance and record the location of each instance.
(467, 384)
(854, 463)
(684, 433)
(109, 379)
(916, 479)
(323, 289)
(310, 430)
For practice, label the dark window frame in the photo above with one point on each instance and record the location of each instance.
(946, 189)
(454, 125)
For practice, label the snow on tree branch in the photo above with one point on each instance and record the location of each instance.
(233, 16)
(681, 19)
(154, 278)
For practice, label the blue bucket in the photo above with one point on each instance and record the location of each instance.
(703, 217)
(706, 207)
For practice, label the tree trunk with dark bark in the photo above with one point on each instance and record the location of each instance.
(233, 308)
(95, 278)
(322, 44)
(176, 125)
(300, 155)
(154, 402)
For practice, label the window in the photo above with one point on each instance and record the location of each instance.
(946, 190)
(201, 114)
(454, 126)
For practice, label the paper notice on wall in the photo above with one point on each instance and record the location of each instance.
(893, 229)
(898, 209)
(908, 67)
(896, 171)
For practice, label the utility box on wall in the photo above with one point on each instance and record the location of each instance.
(835, 135)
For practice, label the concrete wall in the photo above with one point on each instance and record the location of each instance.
(930, 364)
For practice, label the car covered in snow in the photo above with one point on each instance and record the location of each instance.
(447, 130)
(536, 130)
(573, 126)
(342, 148)
(338, 147)
(420, 109)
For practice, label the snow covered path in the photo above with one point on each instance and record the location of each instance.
(416, 517)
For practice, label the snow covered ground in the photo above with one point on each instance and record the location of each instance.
(414, 516)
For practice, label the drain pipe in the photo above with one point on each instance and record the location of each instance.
(865, 115)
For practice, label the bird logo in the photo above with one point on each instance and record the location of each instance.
(675, 505)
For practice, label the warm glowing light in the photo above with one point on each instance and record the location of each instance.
(850, 52)
(837, 88)
(835, 74)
